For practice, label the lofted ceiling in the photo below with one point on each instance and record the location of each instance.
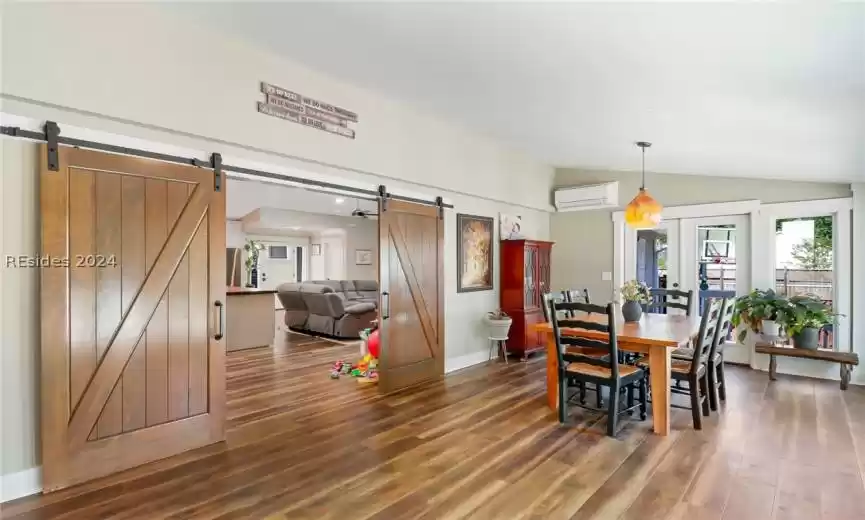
(739, 89)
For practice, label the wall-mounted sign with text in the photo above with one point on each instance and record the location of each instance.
(303, 110)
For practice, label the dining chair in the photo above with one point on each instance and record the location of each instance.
(664, 299)
(548, 300)
(596, 362)
(717, 381)
(576, 296)
(695, 371)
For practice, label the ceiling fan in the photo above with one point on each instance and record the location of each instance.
(357, 212)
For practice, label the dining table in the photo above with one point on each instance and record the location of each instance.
(655, 335)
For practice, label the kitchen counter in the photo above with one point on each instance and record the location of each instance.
(250, 318)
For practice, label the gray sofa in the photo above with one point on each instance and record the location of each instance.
(340, 308)
(352, 290)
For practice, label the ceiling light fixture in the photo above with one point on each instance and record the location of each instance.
(644, 211)
(339, 200)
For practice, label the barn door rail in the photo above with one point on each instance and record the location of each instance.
(51, 136)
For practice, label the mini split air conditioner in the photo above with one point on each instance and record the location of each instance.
(583, 198)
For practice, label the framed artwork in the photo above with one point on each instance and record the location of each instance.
(315, 250)
(510, 226)
(362, 257)
(474, 253)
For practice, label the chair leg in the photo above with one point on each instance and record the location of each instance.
(612, 410)
(722, 381)
(704, 390)
(695, 403)
(644, 399)
(599, 396)
(713, 387)
(563, 399)
(582, 392)
(630, 392)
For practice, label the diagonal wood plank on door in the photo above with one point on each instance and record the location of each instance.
(411, 278)
(134, 322)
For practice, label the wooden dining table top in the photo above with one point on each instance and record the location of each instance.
(664, 330)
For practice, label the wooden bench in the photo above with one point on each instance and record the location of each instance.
(847, 360)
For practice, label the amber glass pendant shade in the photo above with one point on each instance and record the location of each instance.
(643, 212)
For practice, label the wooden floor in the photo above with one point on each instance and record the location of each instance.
(482, 444)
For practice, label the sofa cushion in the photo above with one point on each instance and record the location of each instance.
(336, 285)
(324, 303)
(359, 307)
(367, 290)
(349, 290)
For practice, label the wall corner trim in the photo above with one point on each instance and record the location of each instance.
(21, 484)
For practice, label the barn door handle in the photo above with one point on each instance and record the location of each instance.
(385, 305)
(221, 331)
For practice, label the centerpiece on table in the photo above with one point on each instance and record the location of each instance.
(634, 295)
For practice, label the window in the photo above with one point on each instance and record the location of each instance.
(278, 252)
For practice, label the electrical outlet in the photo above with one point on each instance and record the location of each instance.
(606, 276)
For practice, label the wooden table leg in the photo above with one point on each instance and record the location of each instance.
(659, 368)
(773, 366)
(552, 373)
(845, 375)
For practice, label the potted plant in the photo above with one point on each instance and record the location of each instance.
(760, 311)
(252, 248)
(635, 294)
(499, 324)
(803, 319)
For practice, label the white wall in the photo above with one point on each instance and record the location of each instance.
(235, 236)
(19, 315)
(199, 93)
(171, 74)
(584, 239)
(858, 315)
(363, 236)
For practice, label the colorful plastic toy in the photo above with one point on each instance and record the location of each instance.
(373, 344)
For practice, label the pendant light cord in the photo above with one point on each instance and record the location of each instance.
(643, 184)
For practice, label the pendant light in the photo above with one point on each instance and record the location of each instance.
(644, 211)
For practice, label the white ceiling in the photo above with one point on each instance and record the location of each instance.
(743, 89)
(243, 197)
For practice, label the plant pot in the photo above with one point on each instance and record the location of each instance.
(806, 339)
(632, 311)
(771, 328)
(498, 329)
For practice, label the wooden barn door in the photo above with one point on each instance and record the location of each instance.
(412, 299)
(132, 360)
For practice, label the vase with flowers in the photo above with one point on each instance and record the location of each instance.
(635, 294)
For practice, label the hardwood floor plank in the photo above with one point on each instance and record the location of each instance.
(482, 444)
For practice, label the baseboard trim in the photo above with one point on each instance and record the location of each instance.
(21, 484)
(465, 361)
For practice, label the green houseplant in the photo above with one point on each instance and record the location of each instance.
(759, 311)
(252, 248)
(635, 294)
(803, 319)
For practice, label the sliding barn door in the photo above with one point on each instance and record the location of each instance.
(412, 298)
(132, 370)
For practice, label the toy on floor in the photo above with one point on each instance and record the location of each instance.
(373, 343)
